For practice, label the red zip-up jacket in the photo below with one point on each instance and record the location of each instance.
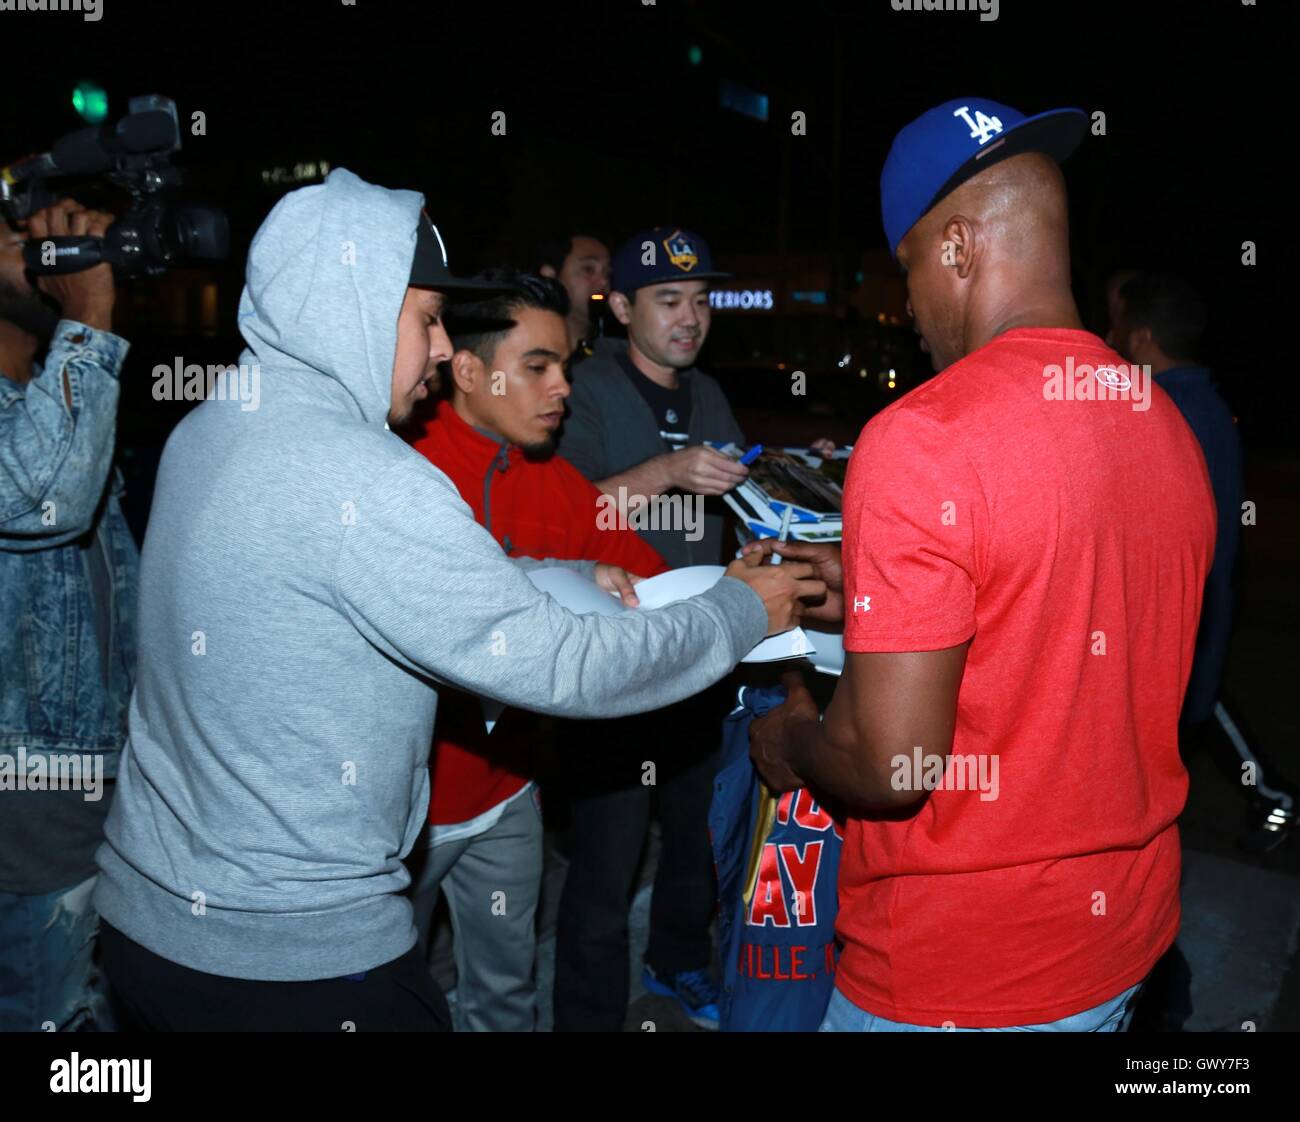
(534, 508)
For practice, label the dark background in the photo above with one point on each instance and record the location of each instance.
(612, 128)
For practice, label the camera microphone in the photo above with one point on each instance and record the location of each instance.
(30, 167)
(92, 150)
(136, 154)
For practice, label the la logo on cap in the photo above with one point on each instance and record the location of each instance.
(983, 128)
(680, 251)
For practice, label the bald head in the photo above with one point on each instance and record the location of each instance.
(991, 255)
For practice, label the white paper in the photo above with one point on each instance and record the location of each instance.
(579, 594)
(829, 656)
(583, 596)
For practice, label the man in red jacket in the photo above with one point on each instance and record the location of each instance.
(494, 438)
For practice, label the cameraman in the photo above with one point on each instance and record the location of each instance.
(68, 568)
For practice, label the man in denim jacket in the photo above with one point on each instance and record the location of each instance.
(68, 568)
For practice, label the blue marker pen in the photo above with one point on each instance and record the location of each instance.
(752, 455)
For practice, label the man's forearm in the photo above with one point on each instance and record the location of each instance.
(831, 769)
(94, 313)
(648, 478)
(54, 462)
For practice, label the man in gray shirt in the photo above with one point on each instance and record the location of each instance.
(640, 413)
(308, 583)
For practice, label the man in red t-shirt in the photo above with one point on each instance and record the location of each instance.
(1026, 537)
(494, 440)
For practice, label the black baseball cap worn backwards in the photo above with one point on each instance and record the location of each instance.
(429, 267)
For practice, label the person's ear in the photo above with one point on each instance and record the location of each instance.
(466, 367)
(1140, 343)
(959, 245)
(621, 307)
(547, 271)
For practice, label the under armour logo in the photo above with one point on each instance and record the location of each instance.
(983, 128)
(1112, 378)
(862, 605)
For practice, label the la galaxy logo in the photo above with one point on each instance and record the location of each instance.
(680, 251)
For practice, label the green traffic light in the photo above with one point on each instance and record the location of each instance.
(90, 101)
(695, 55)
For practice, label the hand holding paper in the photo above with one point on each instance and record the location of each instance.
(782, 592)
(773, 584)
(618, 582)
(777, 586)
(825, 561)
(703, 471)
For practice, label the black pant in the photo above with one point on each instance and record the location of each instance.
(611, 809)
(154, 994)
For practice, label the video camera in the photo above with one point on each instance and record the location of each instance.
(136, 154)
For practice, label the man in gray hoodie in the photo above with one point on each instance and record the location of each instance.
(308, 581)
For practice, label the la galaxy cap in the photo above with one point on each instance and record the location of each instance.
(673, 253)
(947, 145)
(429, 268)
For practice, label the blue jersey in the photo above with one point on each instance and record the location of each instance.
(778, 952)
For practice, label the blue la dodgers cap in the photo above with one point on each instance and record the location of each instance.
(952, 142)
(678, 255)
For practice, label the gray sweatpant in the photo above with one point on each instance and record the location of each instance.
(491, 882)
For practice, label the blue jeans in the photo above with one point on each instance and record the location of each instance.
(1110, 1016)
(48, 981)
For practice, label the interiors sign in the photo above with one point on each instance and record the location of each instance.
(741, 299)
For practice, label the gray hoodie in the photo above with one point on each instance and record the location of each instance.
(307, 581)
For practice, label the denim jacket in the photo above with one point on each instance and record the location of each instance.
(56, 500)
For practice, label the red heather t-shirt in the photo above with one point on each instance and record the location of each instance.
(1069, 541)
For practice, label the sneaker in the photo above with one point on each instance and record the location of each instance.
(694, 990)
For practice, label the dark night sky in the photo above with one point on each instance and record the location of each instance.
(611, 128)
